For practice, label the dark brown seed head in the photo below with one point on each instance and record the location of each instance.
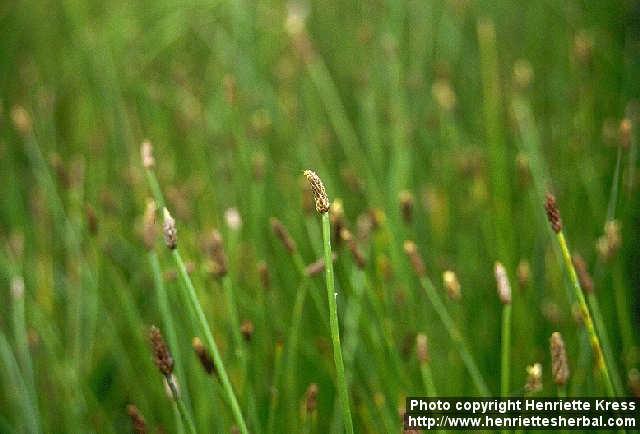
(406, 206)
(357, 255)
(283, 234)
(263, 272)
(169, 230)
(247, 328)
(161, 355)
(318, 190)
(422, 348)
(146, 153)
(502, 282)
(586, 282)
(215, 249)
(311, 400)
(203, 355)
(553, 214)
(137, 420)
(416, 261)
(559, 365)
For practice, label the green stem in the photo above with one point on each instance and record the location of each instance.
(211, 343)
(455, 336)
(506, 347)
(593, 336)
(182, 409)
(598, 320)
(335, 328)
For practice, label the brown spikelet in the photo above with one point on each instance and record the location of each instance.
(283, 235)
(247, 328)
(553, 214)
(451, 284)
(406, 206)
(422, 348)
(318, 190)
(203, 355)
(534, 378)
(416, 261)
(502, 283)
(311, 398)
(137, 420)
(336, 216)
(317, 267)
(559, 365)
(161, 355)
(149, 228)
(146, 154)
(524, 273)
(92, 219)
(357, 255)
(169, 230)
(215, 249)
(624, 132)
(263, 273)
(586, 282)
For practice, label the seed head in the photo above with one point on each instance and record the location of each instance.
(233, 218)
(283, 234)
(559, 365)
(21, 120)
(451, 284)
(319, 193)
(311, 399)
(553, 214)
(416, 261)
(502, 282)
(263, 272)
(625, 133)
(586, 282)
(357, 255)
(146, 153)
(609, 243)
(137, 420)
(317, 267)
(203, 355)
(422, 348)
(169, 230)
(524, 273)
(406, 205)
(534, 378)
(247, 328)
(215, 248)
(161, 355)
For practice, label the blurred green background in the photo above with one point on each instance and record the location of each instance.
(473, 109)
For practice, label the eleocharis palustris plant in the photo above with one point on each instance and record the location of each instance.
(171, 240)
(322, 206)
(553, 215)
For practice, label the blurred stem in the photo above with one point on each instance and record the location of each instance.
(455, 336)
(604, 337)
(506, 348)
(167, 318)
(593, 336)
(184, 414)
(211, 343)
(274, 392)
(292, 351)
(335, 327)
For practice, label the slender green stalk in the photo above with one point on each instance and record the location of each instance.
(274, 392)
(292, 350)
(598, 320)
(211, 343)
(335, 328)
(182, 409)
(586, 316)
(455, 335)
(505, 364)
